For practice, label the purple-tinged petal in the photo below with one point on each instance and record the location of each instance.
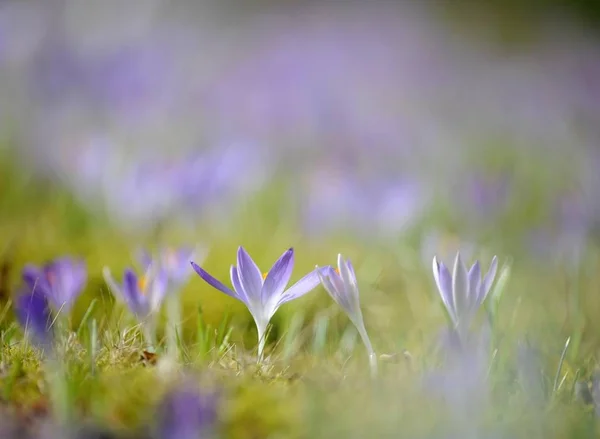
(66, 278)
(34, 277)
(144, 258)
(488, 280)
(133, 295)
(300, 288)
(250, 276)
(34, 315)
(278, 277)
(335, 287)
(350, 284)
(157, 287)
(443, 281)
(351, 270)
(460, 288)
(212, 281)
(474, 282)
(187, 414)
(237, 285)
(336, 279)
(175, 262)
(112, 284)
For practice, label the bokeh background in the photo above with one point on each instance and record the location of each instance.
(388, 131)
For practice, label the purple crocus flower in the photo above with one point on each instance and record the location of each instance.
(142, 295)
(463, 291)
(187, 414)
(61, 281)
(341, 285)
(174, 262)
(262, 294)
(34, 315)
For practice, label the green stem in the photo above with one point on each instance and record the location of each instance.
(149, 331)
(173, 324)
(262, 338)
(58, 389)
(372, 356)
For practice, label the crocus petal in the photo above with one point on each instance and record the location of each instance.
(300, 288)
(460, 288)
(132, 294)
(474, 282)
(34, 277)
(339, 295)
(112, 284)
(175, 263)
(237, 285)
(68, 279)
(185, 413)
(33, 313)
(351, 271)
(159, 282)
(488, 280)
(443, 281)
(349, 282)
(278, 277)
(250, 275)
(144, 257)
(212, 281)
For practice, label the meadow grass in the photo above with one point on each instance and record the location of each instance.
(315, 379)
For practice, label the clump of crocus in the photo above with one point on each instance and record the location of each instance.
(61, 281)
(187, 413)
(142, 295)
(342, 286)
(262, 294)
(34, 315)
(175, 265)
(463, 291)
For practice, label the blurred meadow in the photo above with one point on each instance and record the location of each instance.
(393, 134)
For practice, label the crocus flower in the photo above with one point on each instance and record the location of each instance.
(185, 413)
(341, 285)
(34, 315)
(176, 269)
(144, 295)
(61, 281)
(262, 294)
(174, 262)
(463, 291)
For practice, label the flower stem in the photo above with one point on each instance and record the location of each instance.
(262, 338)
(149, 328)
(372, 356)
(173, 322)
(58, 389)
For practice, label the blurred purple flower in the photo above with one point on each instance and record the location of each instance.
(174, 262)
(263, 294)
(444, 246)
(144, 295)
(483, 197)
(342, 287)
(564, 238)
(34, 315)
(220, 176)
(132, 80)
(186, 413)
(462, 380)
(58, 73)
(61, 281)
(463, 291)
